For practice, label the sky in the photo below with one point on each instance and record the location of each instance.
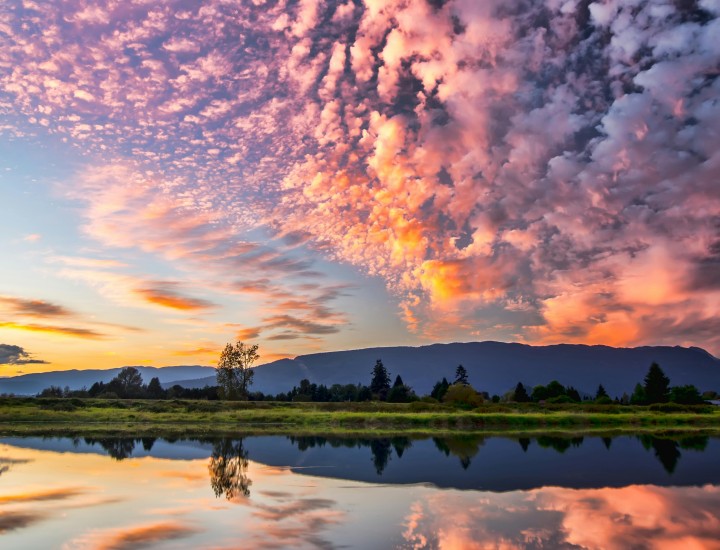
(319, 175)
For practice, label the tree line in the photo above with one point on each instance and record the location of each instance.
(234, 376)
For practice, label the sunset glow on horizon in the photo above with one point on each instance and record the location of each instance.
(314, 175)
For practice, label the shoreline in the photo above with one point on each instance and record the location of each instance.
(31, 416)
(200, 431)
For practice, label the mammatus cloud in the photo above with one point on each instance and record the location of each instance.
(15, 355)
(540, 171)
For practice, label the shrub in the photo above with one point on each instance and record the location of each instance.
(561, 399)
(603, 400)
(423, 406)
(463, 395)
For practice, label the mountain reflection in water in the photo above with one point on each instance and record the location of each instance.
(363, 492)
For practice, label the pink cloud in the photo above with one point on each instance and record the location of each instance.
(474, 159)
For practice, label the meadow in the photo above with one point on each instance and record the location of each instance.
(56, 415)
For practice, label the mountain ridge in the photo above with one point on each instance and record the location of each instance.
(495, 367)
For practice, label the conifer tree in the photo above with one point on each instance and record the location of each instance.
(380, 384)
(600, 392)
(461, 375)
(657, 385)
(521, 394)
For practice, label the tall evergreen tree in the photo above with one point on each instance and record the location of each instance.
(440, 389)
(573, 394)
(380, 383)
(521, 394)
(600, 392)
(657, 385)
(155, 389)
(400, 393)
(461, 375)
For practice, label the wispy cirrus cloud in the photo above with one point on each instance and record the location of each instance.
(43, 495)
(55, 329)
(166, 295)
(33, 308)
(56, 319)
(12, 520)
(134, 536)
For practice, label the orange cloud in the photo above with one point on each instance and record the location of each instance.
(163, 294)
(62, 331)
(34, 308)
(43, 495)
(421, 143)
(136, 536)
(197, 351)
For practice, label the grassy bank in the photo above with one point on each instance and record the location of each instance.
(36, 416)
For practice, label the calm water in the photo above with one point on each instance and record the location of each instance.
(312, 492)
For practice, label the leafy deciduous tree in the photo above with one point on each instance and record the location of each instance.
(128, 383)
(234, 370)
(464, 395)
(685, 395)
(638, 395)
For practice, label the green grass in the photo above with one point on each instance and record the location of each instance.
(30, 415)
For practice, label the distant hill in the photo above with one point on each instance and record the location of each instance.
(494, 367)
(31, 384)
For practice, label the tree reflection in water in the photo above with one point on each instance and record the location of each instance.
(121, 448)
(228, 469)
(229, 460)
(667, 450)
(381, 448)
(465, 447)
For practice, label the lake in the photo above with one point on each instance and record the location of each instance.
(397, 492)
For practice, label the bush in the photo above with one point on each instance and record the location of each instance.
(561, 399)
(463, 395)
(603, 400)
